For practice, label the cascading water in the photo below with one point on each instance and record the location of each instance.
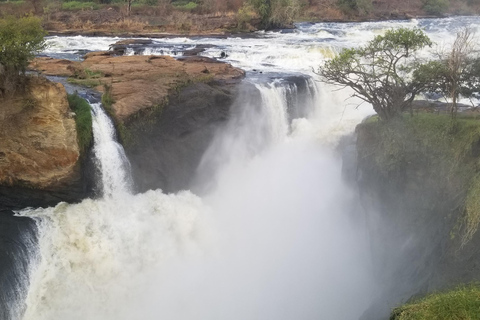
(94, 255)
(243, 251)
(110, 156)
(276, 234)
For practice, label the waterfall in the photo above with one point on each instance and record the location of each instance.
(271, 239)
(110, 157)
(93, 255)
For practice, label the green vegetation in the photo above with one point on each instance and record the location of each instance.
(20, 40)
(87, 78)
(380, 72)
(83, 120)
(89, 83)
(462, 303)
(276, 13)
(472, 210)
(435, 7)
(244, 16)
(443, 149)
(360, 7)
(456, 73)
(79, 5)
(107, 102)
(107, 99)
(187, 6)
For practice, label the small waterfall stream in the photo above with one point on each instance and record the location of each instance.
(111, 160)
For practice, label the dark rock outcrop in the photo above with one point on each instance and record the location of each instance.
(18, 240)
(165, 154)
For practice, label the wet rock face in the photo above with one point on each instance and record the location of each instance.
(39, 155)
(18, 237)
(166, 153)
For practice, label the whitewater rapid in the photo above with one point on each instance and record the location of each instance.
(275, 232)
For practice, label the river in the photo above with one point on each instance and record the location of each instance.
(270, 231)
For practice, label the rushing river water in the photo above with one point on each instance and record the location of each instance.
(278, 234)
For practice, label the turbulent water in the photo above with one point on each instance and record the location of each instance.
(273, 233)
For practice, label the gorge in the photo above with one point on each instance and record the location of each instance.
(233, 203)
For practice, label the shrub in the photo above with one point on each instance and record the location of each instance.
(276, 13)
(79, 5)
(83, 120)
(186, 6)
(20, 40)
(245, 15)
(355, 6)
(435, 7)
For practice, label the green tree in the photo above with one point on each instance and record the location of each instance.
(20, 40)
(276, 13)
(435, 7)
(264, 10)
(455, 73)
(380, 72)
(360, 7)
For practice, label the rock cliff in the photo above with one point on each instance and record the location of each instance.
(39, 154)
(416, 179)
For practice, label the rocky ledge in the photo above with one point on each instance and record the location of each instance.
(139, 83)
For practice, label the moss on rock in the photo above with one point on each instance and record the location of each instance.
(83, 120)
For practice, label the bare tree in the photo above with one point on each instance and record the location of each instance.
(455, 72)
(457, 63)
(129, 6)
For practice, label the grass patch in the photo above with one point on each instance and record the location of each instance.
(93, 74)
(83, 120)
(79, 5)
(89, 83)
(87, 78)
(185, 6)
(462, 303)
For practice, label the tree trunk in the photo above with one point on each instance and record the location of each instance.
(129, 7)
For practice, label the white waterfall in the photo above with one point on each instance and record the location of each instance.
(273, 239)
(96, 256)
(110, 157)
